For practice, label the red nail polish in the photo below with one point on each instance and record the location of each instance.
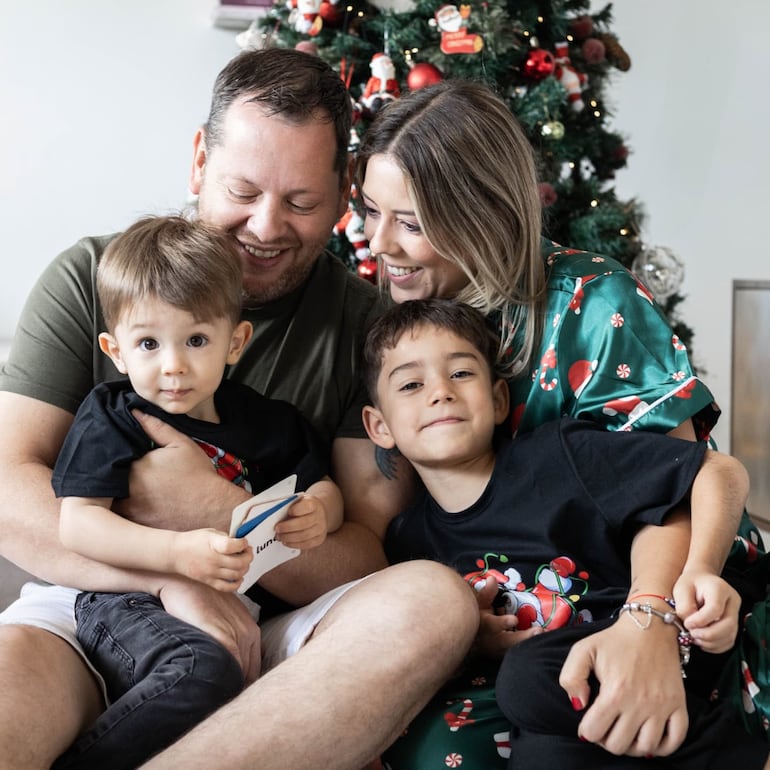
(585, 740)
(577, 704)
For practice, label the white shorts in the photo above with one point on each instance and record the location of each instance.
(53, 609)
(284, 635)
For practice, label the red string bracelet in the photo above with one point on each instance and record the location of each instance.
(665, 599)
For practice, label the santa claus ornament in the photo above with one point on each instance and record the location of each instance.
(305, 16)
(453, 23)
(569, 77)
(382, 86)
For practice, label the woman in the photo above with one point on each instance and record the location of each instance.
(449, 187)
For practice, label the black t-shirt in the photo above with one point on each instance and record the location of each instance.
(555, 523)
(257, 442)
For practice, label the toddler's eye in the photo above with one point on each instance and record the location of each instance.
(197, 341)
(410, 386)
(148, 343)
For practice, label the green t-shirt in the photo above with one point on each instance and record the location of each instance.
(305, 348)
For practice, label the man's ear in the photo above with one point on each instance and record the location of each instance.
(377, 428)
(501, 397)
(109, 346)
(199, 161)
(240, 338)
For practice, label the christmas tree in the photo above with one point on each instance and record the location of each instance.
(551, 60)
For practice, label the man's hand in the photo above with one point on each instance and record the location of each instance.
(221, 615)
(640, 708)
(176, 485)
(211, 557)
(496, 632)
(708, 607)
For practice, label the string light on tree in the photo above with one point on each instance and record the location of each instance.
(514, 47)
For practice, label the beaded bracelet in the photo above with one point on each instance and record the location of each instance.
(683, 638)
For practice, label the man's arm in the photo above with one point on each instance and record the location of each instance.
(33, 432)
(206, 499)
(355, 549)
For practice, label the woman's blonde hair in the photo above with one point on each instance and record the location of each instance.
(471, 173)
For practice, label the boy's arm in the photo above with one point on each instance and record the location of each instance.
(88, 526)
(33, 432)
(707, 605)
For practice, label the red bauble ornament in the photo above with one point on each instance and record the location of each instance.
(367, 269)
(539, 64)
(307, 46)
(582, 27)
(423, 74)
(593, 50)
(548, 195)
(330, 13)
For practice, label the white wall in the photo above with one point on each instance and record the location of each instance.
(100, 99)
(694, 108)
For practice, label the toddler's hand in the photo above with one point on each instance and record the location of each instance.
(708, 607)
(305, 524)
(211, 557)
(496, 632)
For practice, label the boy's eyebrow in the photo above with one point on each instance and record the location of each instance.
(460, 354)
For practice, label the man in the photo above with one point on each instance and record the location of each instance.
(270, 167)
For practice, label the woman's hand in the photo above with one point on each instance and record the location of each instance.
(640, 707)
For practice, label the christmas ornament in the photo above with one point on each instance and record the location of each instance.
(330, 13)
(553, 129)
(307, 46)
(616, 54)
(548, 195)
(455, 38)
(367, 269)
(660, 270)
(593, 50)
(582, 27)
(569, 77)
(305, 16)
(352, 225)
(539, 64)
(253, 38)
(423, 74)
(382, 86)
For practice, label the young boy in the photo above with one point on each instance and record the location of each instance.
(171, 296)
(539, 519)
